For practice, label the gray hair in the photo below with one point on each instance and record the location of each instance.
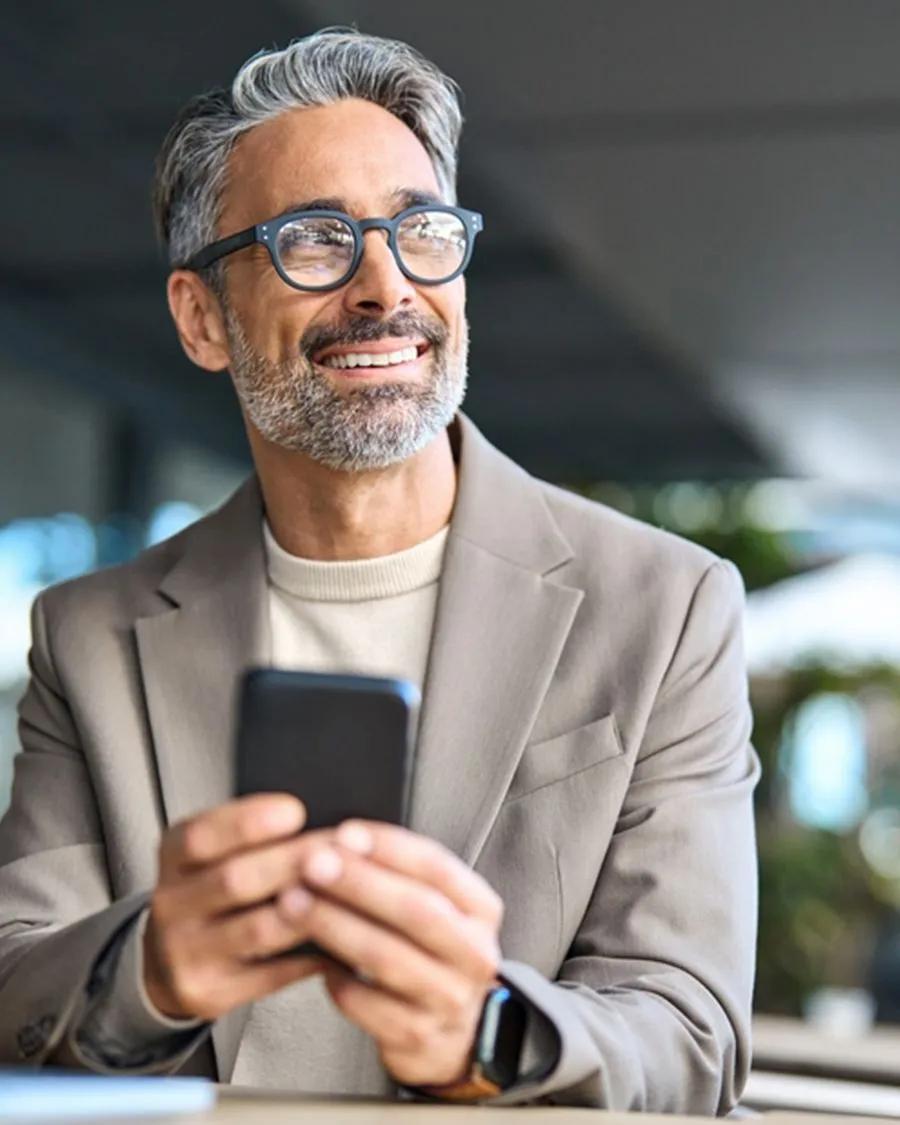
(333, 64)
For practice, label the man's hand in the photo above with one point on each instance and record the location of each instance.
(419, 929)
(214, 918)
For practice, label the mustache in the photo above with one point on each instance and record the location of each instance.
(365, 330)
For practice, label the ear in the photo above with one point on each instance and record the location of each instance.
(199, 320)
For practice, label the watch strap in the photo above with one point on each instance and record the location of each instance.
(473, 1088)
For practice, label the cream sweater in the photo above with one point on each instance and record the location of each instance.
(371, 616)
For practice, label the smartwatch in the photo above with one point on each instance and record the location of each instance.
(496, 1052)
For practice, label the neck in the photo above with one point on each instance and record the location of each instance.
(317, 513)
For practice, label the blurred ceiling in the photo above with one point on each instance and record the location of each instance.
(692, 246)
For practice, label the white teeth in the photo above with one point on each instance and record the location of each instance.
(364, 359)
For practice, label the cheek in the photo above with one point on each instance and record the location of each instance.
(276, 318)
(459, 335)
(450, 305)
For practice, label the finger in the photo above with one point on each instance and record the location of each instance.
(389, 960)
(425, 861)
(267, 977)
(210, 996)
(406, 1036)
(414, 910)
(264, 931)
(394, 1023)
(244, 879)
(222, 831)
(255, 876)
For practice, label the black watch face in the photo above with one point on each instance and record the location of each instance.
(501, 1038)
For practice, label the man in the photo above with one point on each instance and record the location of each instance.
(581, 848)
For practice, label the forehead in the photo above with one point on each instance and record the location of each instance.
(353, 150)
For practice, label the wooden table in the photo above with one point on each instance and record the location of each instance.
(252, 1107)
(790, 1046)
(770, 1092)
(262, 1107)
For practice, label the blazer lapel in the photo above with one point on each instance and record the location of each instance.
(191, 659)
(501, 624)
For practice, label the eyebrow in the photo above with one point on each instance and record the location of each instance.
(402, 198)
(415, 197)
(326, 203)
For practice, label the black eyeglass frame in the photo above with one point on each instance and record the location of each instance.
(266, 234)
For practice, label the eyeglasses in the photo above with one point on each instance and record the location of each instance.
(320, 250)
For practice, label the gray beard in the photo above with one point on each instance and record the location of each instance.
(369, 428)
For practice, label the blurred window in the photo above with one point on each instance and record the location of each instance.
(35, 553)
(824, 756)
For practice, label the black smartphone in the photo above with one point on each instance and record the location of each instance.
(342, 744)
(339, 743)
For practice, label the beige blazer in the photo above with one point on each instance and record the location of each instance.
(583, 743)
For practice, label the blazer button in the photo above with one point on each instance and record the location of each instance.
(33, 1037)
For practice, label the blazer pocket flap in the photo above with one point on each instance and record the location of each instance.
(555, 759)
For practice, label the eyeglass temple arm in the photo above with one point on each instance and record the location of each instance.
(217, 250)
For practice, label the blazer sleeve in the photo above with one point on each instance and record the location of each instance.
(651, 1009)
(122, 1031)
(58, 921)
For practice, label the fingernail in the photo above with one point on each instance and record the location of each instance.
(324, 867)
(296, 901)
(285, 816)
(355, 838)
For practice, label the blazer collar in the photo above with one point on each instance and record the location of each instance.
(192, 654)
(221, 550)
(501, 508)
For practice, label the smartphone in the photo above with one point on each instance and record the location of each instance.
(342, 744)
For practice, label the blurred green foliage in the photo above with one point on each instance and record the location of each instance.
(722, 523)
(813, 897)
(821, 906)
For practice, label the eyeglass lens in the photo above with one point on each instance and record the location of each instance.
(316, 251)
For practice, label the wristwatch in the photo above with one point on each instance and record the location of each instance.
(496, 1052)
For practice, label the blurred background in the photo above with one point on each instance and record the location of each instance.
(684, 305)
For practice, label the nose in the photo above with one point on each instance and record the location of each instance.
(379, 287)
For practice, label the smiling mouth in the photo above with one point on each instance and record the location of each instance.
(341, 361)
